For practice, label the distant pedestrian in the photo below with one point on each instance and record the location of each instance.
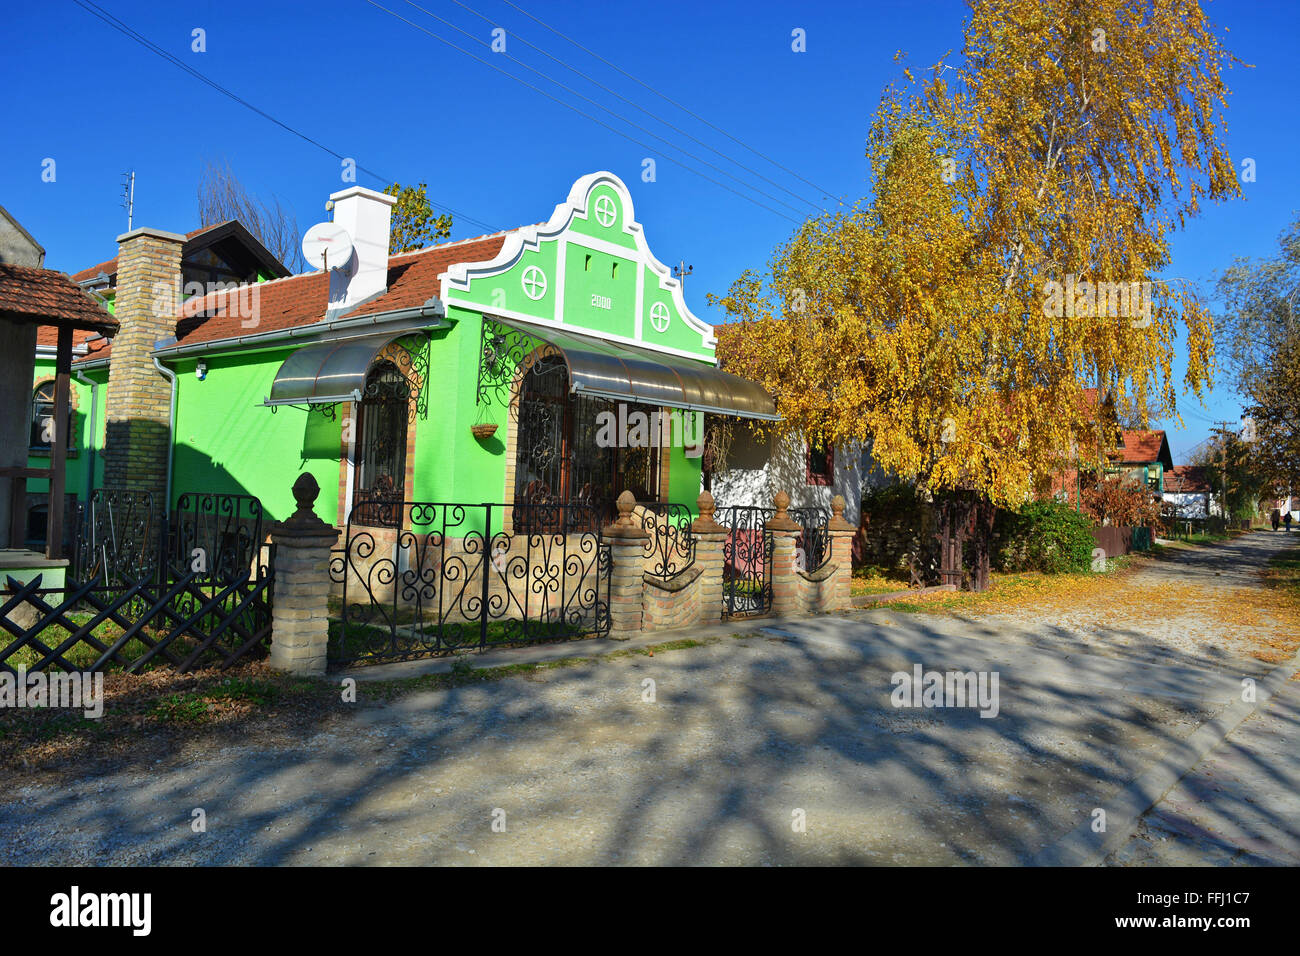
(1276, 517)
(1287, 521)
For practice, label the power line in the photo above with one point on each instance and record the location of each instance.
(570, 106)
(825, 192)
(601, 106)
(637, 106)
(152, 47)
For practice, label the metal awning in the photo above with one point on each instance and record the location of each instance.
(626, 373)
(328, 372)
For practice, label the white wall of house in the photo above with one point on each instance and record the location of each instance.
(1189, 505)
(757, 470)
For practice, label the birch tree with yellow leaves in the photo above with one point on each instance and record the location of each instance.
(1007, 257)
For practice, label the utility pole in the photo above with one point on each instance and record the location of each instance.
(128, 196)
(1222, 429)
(681, 271)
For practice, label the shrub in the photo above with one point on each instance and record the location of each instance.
(1048, 536)
(1122, 501)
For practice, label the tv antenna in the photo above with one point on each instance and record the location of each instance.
(681, 271)
(128, 196)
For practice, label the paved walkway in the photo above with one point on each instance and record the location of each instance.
(781, 746)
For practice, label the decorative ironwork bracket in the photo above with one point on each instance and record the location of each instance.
(410, 356)
(328, 410)
(501, 351)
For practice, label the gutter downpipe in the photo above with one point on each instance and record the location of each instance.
(171, 431)
(94, 435)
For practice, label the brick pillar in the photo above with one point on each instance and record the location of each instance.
(710, 539)
(139, 398)
(786, 583)
(841, 533)
(300, 609)
(627, 550)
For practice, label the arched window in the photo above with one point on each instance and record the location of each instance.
(383, 416)
(42, 432)
(560, 453)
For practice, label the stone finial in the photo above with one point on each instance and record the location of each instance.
(305, 492)
(624, 526)
(837, 522)
(782, 521)
(707, 507)
(304, 520)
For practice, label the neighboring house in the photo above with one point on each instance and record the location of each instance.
(212, 258)
(1187, 492)
(383, 378)
(1144, 456)
(757, 469)
(1138, 454)
(1282, 505)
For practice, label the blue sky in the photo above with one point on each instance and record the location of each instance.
(413, 109)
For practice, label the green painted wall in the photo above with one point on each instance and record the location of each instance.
(227, 442)
(450, 463)
(684, 475)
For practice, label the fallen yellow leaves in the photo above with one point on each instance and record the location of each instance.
(1152, 602)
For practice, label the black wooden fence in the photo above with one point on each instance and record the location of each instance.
(190, 589)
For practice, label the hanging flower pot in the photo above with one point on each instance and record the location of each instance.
(483, 432)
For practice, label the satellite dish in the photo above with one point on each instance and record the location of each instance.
(327, 244)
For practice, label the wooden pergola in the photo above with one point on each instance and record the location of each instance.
(31, 296)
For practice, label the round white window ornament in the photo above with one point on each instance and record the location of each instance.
(534, 282)
(659, 317)
(606, 211)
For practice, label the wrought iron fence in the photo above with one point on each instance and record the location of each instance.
(116, 535)
(670, 546)
(459, 575)
(218, 536)
(812, 545)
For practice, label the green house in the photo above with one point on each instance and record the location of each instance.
(550, 363)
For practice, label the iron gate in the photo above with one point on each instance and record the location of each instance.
(747, 554)
(747, 560)
(452, 576)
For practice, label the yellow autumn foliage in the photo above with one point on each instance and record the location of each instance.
(951, 319)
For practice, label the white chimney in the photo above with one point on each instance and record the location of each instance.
(367, 216)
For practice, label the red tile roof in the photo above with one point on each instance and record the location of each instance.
(44, 296)
(1187, 479)
(302, 299)
(49, 335)
(1142, 448)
